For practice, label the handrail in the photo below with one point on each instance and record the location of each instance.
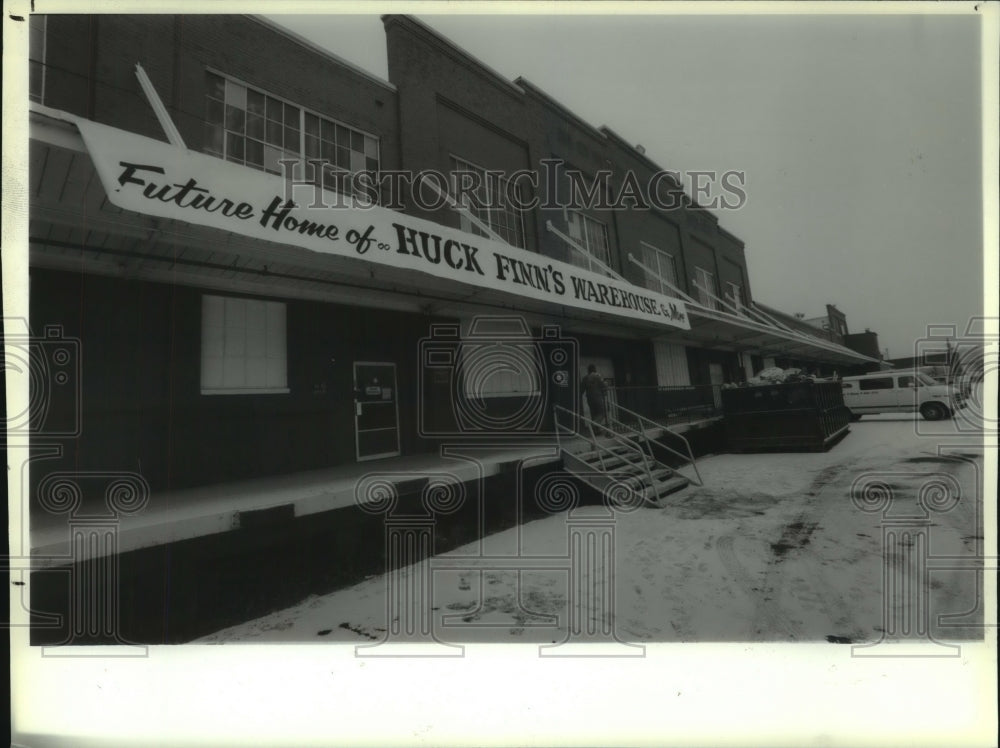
(641, 418)
(631, 444)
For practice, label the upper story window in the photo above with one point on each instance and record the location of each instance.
(592, 236)
(704, 288)
(36, 57)
(663, 265)
(734, 293)
(486, 196)
(248, 126)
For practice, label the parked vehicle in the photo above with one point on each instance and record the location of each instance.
(900, 392)
(938, 373)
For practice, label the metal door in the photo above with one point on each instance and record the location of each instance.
(716, 376)
(376, 410)
(907, 393)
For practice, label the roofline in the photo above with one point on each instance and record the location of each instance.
(451, 49)
(731, 235)
(620, 141)
(532, 90)
(801, 338)
(629, 148)
(315, 48)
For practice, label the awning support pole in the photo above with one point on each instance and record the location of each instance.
(158, 108)
(671, 286)
(463, 211)
(573, 245)
(725, 303)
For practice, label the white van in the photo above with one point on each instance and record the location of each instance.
(899, 392)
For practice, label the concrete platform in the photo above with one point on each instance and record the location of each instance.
(173, 516)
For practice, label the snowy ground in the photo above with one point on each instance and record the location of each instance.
(771, 548)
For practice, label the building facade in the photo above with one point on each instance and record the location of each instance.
(223, 337)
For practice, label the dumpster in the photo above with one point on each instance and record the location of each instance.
(786, 417)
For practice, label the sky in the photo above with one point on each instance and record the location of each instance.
(860, 138)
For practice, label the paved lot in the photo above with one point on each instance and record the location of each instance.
(774, 547)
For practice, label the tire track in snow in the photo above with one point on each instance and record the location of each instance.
(766, 594)
(767, 611)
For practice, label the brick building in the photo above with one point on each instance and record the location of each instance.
(233, 343)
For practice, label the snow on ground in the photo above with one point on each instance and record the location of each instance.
(770, 548)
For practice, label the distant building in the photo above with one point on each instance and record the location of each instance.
(834, 324)
(947, 359)
(832, 327)
(864, 342)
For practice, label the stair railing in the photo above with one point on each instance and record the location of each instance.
(631, 444)
(641, 434)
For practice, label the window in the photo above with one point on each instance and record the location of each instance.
(505, 376)
(592, 236)
(242, 346)
(907, 381)
(876, 384)
(663, 265)
(735, 294)
(498, 358)
(248, 126)
(705, 288)
(488, 202)
(671, 364)
(36, 57)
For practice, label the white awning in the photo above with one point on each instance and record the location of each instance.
(81, 221)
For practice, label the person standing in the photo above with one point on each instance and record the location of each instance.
(595, 390)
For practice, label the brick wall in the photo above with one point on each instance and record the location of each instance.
(91, 72)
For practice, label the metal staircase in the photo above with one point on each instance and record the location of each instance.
(619, 459)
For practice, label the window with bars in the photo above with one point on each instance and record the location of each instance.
(248, 126)
(488, 202)
(243, 349)
(705, 288)
(663, 265)
(592, 236)
(36, 57)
